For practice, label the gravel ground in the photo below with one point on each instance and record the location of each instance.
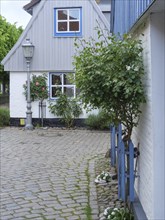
(107, 193)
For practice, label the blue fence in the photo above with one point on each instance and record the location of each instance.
(125, 13)
(123, 157)
(113, 146)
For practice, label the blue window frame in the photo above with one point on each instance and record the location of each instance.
(59, 82)
(67, 22)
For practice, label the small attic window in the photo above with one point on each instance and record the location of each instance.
(68, 22)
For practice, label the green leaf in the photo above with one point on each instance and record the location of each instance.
(104, 80)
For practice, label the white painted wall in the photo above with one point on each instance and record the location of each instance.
(143, 134)
(158, 120)
(50, 53)
(18, 101)
(150, 132)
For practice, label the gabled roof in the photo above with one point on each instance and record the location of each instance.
(23, 35)
(29, 6)
(35, 16)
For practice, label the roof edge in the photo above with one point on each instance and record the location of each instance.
(144, 15)
(22, 37)
(98, 10)
(29, 7)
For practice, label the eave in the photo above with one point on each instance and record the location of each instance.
(29, 7)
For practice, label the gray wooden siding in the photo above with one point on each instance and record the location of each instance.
(54, 53)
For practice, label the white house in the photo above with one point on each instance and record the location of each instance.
(52, 29)
(146, 21)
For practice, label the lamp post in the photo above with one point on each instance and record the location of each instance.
(28, 49)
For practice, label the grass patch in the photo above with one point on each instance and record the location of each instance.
(77, 186)
(88, 212)
(4, 117)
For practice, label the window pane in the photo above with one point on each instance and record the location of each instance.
(56, 79)
(66, 79)
(62, 14)
(69, 91)
(55, 91)
(62, 26)
(74, 14)
(74, 26)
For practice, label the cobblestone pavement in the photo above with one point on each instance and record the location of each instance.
(49, 174)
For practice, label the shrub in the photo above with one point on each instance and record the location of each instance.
(4, 117)
(67, 108)
(99, 121)
(38, 88)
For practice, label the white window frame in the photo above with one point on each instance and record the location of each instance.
(68, 20)
(62, 86)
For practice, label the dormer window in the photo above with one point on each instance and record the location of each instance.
(68, 22)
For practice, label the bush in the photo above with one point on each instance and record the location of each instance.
(68, 109)
(99, 121)
(38, 88)
(4, 117)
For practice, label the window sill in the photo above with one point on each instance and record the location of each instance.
(68, 35)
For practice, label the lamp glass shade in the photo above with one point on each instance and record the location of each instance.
(28, 49)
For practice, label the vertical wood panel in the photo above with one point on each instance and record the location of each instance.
(127, 12)
(55, 53)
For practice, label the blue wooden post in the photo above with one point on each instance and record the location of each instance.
(119, 169)
(124, 177)
(119, 136)
(119, 139)
(123, 174)
(121, 165)
(131, 171)
(113, 147)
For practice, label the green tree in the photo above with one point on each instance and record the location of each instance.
(9, 34)
(109, 75)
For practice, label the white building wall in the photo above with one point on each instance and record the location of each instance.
(144, 133)
(151, 130)
(18, 101)
(51, 54)
(158, 105)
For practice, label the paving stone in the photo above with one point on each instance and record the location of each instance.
(73, 218)
(6, 217)
(68, 210)
(38, 218)
(22, 210)
(74, 205)
(27, 205)
(20, 214)
(51, 217)
(6, 212)
(44, 172)
(32, 215)
(12, 206)
(68, 214)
